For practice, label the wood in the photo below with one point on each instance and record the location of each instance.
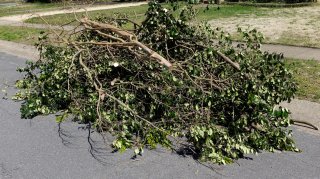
(125, 38)
(227, 59)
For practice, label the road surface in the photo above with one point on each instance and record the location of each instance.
(39, 148)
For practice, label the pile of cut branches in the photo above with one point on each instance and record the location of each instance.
(162, 81)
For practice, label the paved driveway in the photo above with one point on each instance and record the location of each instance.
(39, 148)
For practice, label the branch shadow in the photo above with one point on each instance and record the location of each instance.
(188, 151)
(97, 144)
(65, 136)
(97, 149)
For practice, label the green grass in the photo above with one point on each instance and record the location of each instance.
(22, 8)
(290, 38)
(307, 75)
(9, 1)
(137, 13)
(19, 34)
(228, 11)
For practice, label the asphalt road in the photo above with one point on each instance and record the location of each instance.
(39, 148)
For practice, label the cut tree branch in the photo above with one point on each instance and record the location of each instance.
(126, 39)
(227, 59)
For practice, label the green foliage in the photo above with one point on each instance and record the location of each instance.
(223, 111)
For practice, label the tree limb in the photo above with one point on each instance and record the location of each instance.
(125, 38)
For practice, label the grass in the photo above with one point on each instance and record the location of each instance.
(19, 34)
(228, 11)
(290, 38)
(9, 1)
(307, 75)
(137, 13)
(22, 8)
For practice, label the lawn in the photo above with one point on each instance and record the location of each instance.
(307, 75)
(135, 13)
(9, 1)
(22, 8)
(290, 26)
(19, 34)
(204, 13)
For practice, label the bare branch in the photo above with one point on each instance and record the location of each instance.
(227, 59)
(125, 38)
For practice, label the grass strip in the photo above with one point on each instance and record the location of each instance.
(204, 12)
(23, 35)
(307, 75)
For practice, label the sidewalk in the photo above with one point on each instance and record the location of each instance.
(294, 52)
(303, 53)
(19, 50)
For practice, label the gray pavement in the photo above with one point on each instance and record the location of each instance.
(305, 111)
(20, 50)
(39, 148)
(30, 52)
(293, 51)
